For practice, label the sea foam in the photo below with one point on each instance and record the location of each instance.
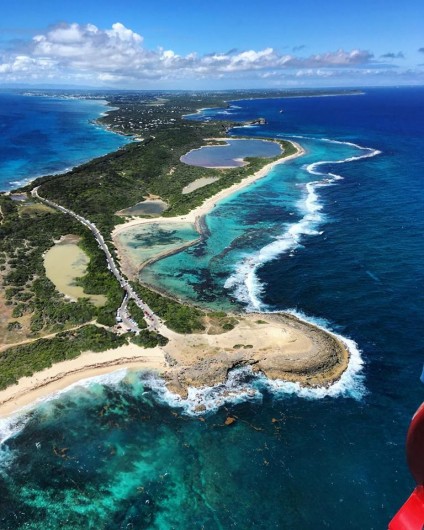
(244, 385)
(12, 425)
(351, 383)
(244, 282)
(247, 287)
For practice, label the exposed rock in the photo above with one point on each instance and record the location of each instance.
(283, 347)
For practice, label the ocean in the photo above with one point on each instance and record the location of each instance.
(335, 236)
(46, 135)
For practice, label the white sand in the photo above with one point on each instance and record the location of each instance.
(210, 203)
(198, 183)
(29, 390)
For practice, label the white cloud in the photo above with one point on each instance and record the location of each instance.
(117, 55)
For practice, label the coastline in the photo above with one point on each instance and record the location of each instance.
(194, 217)
(209, 203)
(92, 122)
(281, 347)
(286, 96)
(28, 391)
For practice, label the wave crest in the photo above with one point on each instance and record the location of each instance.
(244, 282)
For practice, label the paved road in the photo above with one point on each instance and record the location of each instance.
(153, 321)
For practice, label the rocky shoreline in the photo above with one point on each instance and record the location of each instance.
(279, 346)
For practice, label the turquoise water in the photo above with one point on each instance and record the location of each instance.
(252, 227)
(231, 154)
(43, 135)
(146, 241)
(348, 253)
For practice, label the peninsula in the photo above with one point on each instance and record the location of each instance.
(51, 340)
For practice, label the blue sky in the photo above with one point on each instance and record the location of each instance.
(219, 44)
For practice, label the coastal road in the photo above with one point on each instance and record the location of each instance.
(152, 320)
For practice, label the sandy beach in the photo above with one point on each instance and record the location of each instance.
(279, 346)
(131, 269)
(209, 204)
(61, 375)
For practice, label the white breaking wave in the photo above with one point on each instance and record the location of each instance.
(247, 288)
(244, 385)
(245, 127)
(244, 282)
(237, 388)
(350, 384)
(12, 425)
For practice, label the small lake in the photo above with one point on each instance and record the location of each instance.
(231, 154)
(64, 263)
(150, 207)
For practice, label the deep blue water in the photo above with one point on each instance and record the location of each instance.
(348, 251)
(43, 135)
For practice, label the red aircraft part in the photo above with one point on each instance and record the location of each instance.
(411, 515)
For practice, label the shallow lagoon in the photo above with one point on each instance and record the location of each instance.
(141, 243)
(278, 210)
(117, 456)
(232, 153)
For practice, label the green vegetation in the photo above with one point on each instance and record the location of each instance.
(97, 190)
(23, 242)
(100, 188)
(99, 280)
(137, 314)
(119, 180)
(29, 291)
(13, 325)
(180, 318)
(149, 339)
(25, 360)
(228, 326)
(217, 314)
